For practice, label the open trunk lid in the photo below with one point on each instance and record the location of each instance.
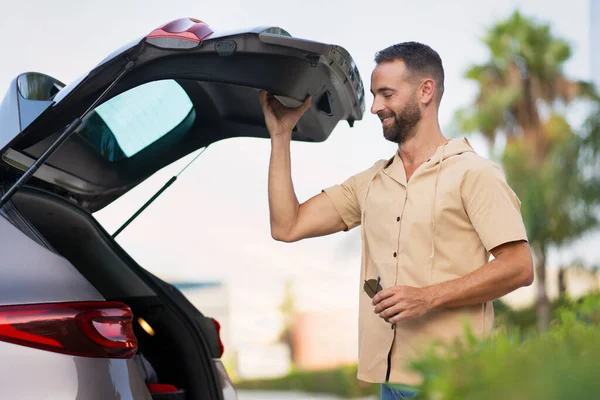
(188, 87)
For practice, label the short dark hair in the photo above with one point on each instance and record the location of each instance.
(418, 58)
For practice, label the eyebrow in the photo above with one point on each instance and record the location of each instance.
(383, 89)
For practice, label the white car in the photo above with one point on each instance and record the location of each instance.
(79, 318)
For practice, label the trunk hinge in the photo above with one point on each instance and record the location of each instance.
(58, 142)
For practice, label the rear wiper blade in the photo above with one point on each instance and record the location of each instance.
(69, 130)
(156, 195)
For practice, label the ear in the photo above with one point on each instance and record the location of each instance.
(427, 91)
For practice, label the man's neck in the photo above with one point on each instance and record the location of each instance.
(422, 145)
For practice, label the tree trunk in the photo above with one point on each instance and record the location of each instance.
(562, 283)
(542, 304)
(491, 144)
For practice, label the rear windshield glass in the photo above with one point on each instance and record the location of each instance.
(133, 120)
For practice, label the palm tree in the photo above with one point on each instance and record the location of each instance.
(287, 309)
(525, 97)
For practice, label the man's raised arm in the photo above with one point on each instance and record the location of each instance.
(290, 220)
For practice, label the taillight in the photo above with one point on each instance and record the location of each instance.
(184, 28)
(90, 329)
(218, 328)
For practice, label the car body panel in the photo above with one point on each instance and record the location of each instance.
(27, 373)
(33, 274)
(22, 104)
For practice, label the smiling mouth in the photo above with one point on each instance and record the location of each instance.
(387, 120)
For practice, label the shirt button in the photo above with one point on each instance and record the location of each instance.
(398, 219)
(395, 254)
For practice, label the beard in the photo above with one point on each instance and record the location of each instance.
(404, 124)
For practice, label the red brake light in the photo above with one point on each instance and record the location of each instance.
(162, 388)
(183, 28)
(218, 328)
(91, 329)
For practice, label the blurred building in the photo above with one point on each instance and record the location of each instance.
(325, 339)
(250, 350)
(263, 361)
(578, 282)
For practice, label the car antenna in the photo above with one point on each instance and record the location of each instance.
(69, 130)
(156, 195)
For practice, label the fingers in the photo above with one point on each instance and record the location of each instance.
(382, 295)
(382, 305)
(263, 97)
(389, 313)
(306, 105)
(400, 317)
(267, 98)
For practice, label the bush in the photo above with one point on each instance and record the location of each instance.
(524, 320)
(563, 363)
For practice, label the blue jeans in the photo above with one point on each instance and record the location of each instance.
(388, 393)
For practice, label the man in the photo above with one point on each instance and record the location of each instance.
(431, 216)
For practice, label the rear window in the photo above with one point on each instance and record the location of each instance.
(133, 120)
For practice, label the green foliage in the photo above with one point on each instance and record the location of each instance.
(490, 113)
(521, 37)
(557, 194)
(560, 364)
(523, 321)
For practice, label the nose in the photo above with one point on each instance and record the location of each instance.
(377, 105)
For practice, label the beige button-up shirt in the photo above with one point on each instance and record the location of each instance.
(439, 226)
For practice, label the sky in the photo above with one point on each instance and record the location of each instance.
(212, 224)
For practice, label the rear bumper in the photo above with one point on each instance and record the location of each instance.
(27, 373)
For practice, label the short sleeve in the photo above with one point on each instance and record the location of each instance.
(493, 207)
(346, 196)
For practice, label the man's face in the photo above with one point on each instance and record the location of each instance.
(395, 101)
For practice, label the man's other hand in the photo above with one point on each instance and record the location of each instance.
(401, 302)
